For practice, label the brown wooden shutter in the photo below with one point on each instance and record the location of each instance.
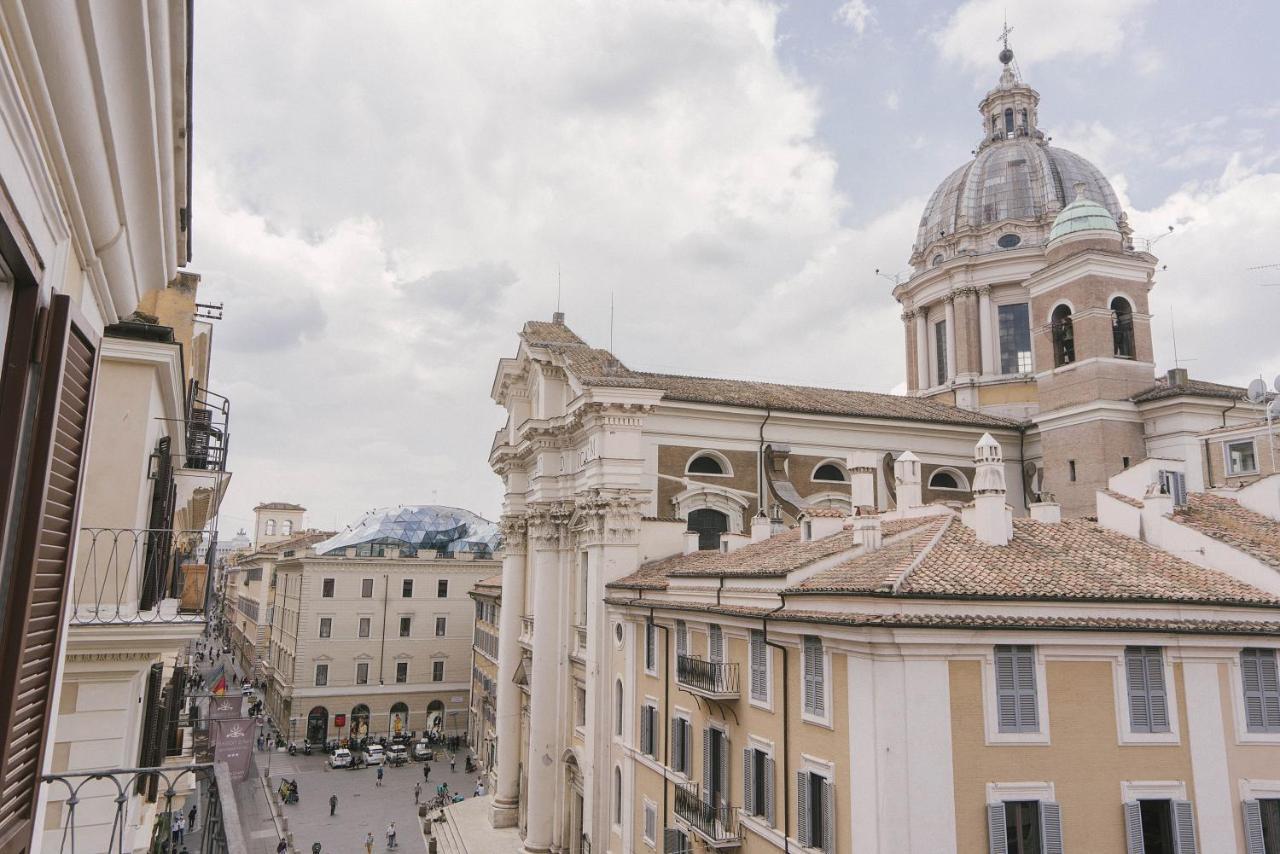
(37, 592)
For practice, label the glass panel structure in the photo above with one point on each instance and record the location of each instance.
(416, 528)
(1015, 339)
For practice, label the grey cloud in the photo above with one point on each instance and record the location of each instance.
(464, 290)
(272, 324)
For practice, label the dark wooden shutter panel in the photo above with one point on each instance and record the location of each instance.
(44, 542)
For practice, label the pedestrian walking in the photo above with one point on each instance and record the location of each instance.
(333, 804)
(391, 835)
(453, 763)
(426, 771)
(191, 817)
(417, 792)
(379, 783)
(179, 828)
(368, 843)
(282, 847)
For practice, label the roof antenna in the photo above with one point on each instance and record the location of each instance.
(610, 321)
(558, 317)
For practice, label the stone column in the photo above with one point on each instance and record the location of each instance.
(951, 338)
(922, 349)
(909, 334)
(506, 795)
(985, 337)
(546, 537)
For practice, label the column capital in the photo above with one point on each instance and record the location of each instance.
(607, 518)
(908, 315)
(514, 528)
(548, 524)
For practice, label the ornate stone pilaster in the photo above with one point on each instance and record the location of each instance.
(506, 796)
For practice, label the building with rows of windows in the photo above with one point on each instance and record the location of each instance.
(483, 729)
(1033, 605)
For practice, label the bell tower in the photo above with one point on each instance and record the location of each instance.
(1092, 342)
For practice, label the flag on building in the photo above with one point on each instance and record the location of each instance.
(219, 681)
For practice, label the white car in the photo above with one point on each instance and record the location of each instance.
(397, 754)
(246, 689)
(341, 758)
(373, 754)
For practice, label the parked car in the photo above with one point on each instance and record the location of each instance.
(397, 754)
(246, 689)
(341, 758)
(422, 750)
(373, 754)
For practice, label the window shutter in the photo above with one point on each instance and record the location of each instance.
(1251, 677)
(1156, 690)
(1133, 828)
(1025, 672)
(717, 644)
(1006, 691)
(724, 770)
(759, 664)
(802, 807)
(1136, 679)
(644, 730)
(671, 842)
(682, 638)
(677, 753)
(815, 699)
(650, 652)
(686, 742)
(1184, 827)
(807, 667)
(1051, 827)
(748, 785)
(706, 764)
(31, 630)
(998, 842)
(1270, 684)
(769, 811)
(828, 817)
(1254, 841)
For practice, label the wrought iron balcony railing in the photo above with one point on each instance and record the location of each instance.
(717, 680)
(140, 575)
(208, 430)
(102, 811)
(716, 824)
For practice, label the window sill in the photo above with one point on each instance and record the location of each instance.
(1139, 739)
(1023, 739)
(1246, 737)
(816, 721)
(756, 824)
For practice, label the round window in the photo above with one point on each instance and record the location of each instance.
(1008, 241)
(617, 632)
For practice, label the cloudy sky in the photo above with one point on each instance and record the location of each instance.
(386, 190)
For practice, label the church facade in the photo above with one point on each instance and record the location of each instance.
(740, 615)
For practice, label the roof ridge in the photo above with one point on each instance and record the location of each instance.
(896, 587)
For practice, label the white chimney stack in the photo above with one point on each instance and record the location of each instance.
(732, 542)
(761, 527)
(869, 532)
(1046, 510)
(992, 523)
(906, 476)
(862, 478)
(690, 542)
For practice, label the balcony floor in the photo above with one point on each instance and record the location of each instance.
(466, 830)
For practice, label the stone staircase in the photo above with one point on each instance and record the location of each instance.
(466, 830)
(447, 834)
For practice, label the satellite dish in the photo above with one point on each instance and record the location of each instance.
(1256, 392)
(1274, 410)
(1275, 384)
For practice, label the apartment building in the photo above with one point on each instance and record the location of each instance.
(372, 629)
(483, 729)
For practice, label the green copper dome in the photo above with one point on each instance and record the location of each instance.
(1083, 214)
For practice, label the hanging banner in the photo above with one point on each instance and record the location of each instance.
(233, 744)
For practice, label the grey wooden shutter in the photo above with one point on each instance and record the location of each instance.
(677, 752)
(802, 808)
(1156, 690)
(1270, 684)
(759, 664)
(724, 770)
(815, 699)
(997, 840)
(1148, 698)
(1016, 689)
(809, 678)
(650, 651)
(769, 808)
(644, 730)
(1252, 680)
(748, 787)
(670, 840)
(1254, 841)
(1184, 827)
(1133, 828)
(686, 742)
(716, 651)
(706, 764)
(1006, 691)
(682, 638)
(1051, 827)
(828, 817)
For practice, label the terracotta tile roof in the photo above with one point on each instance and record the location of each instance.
(1071, 560)
(595, 367)
(1197, 388)
(824, 512)
(493, 581)
(890, 527)
(279, 505)
(881, 569)
(298, 541)
(1121, 497)
(968, 621)
(1228, 521)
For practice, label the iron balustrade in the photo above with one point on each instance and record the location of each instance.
(208, 424)
(713, 678)
(715, 823)
(100, 810)
(137, 575)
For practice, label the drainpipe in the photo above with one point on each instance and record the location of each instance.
(666, 709)
(786, 731)
(1022, 467)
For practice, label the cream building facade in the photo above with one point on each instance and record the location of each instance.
(482, 734)
(372, 628)
(743, 615)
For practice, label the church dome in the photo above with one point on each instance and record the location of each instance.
(1084, 214)
(1015, 179)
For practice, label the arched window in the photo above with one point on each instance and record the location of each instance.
(271, 527)
(829, 471)
(1122, 328)
(617, 795)
(709, 524)
(1064, 338)
(617, 708)
(286, 527)
(1022, 120)
(705, 464)
(948, 479)
(937, 259)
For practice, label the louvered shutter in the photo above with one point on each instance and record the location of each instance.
(1251, 677)
(1051, 827)
(716, 651)
(802, 807)
(997, 840)
(1006, 691)
(682, 638)
(748, 785)
(706, 764)
(1269, 682)
(1136, 681)
(1025, 672)
(151, 713)
(769, 810)
(650, 650)
(1133, 828)
(809, 679)
(1184, 827)
(1156, 690)
(828, 817)
(759, 667)
(45, 521)
(645, 723)
(723, 782)
(676, 753)
(1255, 842)
(673, 841)
(686, 742)
(815, 699)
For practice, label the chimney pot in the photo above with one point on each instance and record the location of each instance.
(1177, 376)
(690, 542)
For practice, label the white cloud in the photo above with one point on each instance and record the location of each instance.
(855, 14)
(1042, 31)
(892, 100)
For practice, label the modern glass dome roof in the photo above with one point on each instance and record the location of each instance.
(413, 528)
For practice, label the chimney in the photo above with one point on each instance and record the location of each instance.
(868, 532)
(906, 476)
(690, 542)
(1046, 509)
(761, 529)
(776, 525)
(819, 525)
(1177, 377)
(862, 478)
(732, 542)
(991, 519)
(558, 318)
